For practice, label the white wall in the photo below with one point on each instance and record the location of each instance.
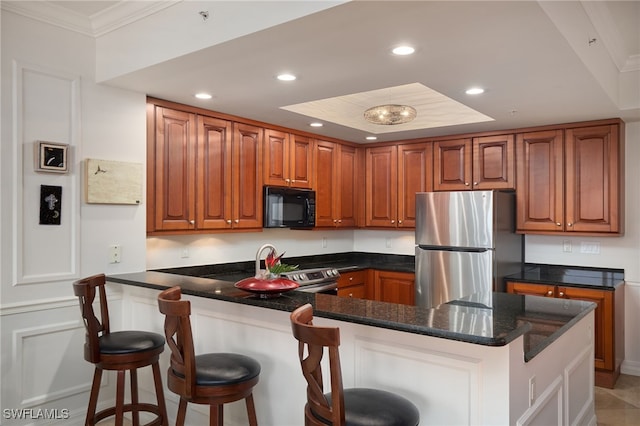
(49, 93)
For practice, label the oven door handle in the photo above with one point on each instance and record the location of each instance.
(317, 288)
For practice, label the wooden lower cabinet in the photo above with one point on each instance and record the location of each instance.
(382, 286)
(609, 323)
(394, 287)
(353, 284)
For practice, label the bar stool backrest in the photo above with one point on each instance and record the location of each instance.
(85, 290)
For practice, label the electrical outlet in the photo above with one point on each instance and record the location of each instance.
(388, 242)
(532, 390)
(566, 246)
(324, 242)
(115, 253)
(185, 252)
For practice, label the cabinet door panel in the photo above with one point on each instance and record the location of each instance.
(452, 165)
(276, 158)
(540, 182)
(592, 173)
(247, 181)
(381, 187)
(174, 175)
(325, 154)
(300, 162)
(603, 346)
(347, 189)
(414, 175)
(494, 162)
(214, 174)
(395, 287)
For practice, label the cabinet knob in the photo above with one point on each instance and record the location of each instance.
(399, 222)
(569, 224)
(561, 294)
(335, 220)
(237, 221)
(229, 221)
(475, 183)
(192, 222)
(466, 184)
(393, 221)
(558, 224)
(350, 294)
(350, 278)
(550, 293)
(287, 180)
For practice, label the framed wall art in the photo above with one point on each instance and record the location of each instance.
(52, 157)
(113, 182)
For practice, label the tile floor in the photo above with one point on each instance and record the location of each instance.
(619, 406)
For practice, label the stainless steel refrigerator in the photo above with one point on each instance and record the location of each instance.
(465, 245)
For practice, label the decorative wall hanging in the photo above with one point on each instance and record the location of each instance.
(52, 157)
(113, 182)
(50, 205)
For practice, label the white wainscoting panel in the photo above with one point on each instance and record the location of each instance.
(47, 108)
(428, 369)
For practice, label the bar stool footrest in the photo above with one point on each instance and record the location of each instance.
(132, 408)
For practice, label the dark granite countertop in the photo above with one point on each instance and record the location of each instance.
(235, 271)
(458, 320)
(572, 276)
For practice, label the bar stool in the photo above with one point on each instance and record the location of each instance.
(214, 378)
(341, 407)
(119, 351)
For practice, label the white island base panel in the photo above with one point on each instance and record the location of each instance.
(451, 382)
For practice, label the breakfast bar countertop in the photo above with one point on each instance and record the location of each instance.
(457, 320)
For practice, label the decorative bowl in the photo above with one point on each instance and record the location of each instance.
(266, 288)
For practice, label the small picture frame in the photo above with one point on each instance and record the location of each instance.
(52, 157)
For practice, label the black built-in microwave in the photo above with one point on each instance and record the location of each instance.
(289, 207)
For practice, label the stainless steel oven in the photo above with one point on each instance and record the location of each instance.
(317, 280)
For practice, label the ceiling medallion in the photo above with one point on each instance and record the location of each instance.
(390, 114)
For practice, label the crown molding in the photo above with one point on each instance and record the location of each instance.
(96, 25)
(605, 25)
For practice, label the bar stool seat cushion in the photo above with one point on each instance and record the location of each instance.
(374, 407)
(219, 369)
(126, 342)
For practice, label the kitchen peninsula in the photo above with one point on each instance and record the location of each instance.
(459, 363)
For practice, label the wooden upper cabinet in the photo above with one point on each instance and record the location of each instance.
(171, 150)
(287, 159)
(394, 175)
(593, 177)
(338, 171)
(214, 173)
(540, 181)
(474, 163)
(381, 200)
(203, 173)
(494, 163)
(570, 181)
(414, 175)
(246, 176)
(452, 165)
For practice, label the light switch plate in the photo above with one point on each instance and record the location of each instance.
(115, 253)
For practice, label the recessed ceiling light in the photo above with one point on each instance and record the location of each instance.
(403, 50)
(315, 124)
(286, 77)
(203, 96)
(371, 138)
(474, 91)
